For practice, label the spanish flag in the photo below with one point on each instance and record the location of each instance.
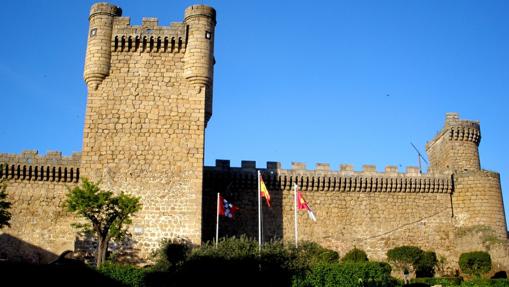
(264, 192)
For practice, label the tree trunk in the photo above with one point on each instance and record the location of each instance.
(102, 247)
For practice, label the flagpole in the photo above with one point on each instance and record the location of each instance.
(217, 220)
(259, 216)
(295, 215)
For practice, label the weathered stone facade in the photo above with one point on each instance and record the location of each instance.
(146, 114)
(40, 226)
(447, 210)
(149, 100)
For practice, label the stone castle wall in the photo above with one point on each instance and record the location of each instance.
(369, 210)
(146, 116)
(149, 101)
(36, 186)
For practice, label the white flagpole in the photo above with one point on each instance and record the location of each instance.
(295, 215)
(217, 220)
(259, 215)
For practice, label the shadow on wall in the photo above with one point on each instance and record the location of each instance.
(239, 186)
(85, 246)
(14, 249)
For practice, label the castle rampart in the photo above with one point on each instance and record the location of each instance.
(323, 179)
(36, 186)
(149, 100)
(30, 166)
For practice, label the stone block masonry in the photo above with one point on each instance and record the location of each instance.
(145, 119)
(149, 101)
(36, 187)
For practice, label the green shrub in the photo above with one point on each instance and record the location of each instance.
(128, 275)
(475, 263)
(425, 265)
(414, 258)
(404, 256)
(310, 254)
(228, 248)
(237, 260)
(171, 254)
(355, 255)
(348, 274)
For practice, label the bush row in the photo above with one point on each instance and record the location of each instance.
(240, 260)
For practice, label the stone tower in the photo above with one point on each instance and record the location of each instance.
(477, 197)
(149, 99)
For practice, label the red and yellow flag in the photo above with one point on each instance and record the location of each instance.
(264, 192)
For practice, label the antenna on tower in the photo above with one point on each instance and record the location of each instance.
(419, 157)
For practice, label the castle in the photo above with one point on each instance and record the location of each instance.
(149, 101)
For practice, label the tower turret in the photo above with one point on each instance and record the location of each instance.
(97, 61)
(199, 57)
(477, 196)
(455, 148)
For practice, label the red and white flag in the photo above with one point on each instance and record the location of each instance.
(303, 205)
(226, 209)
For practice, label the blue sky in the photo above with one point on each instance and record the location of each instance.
(309, 81)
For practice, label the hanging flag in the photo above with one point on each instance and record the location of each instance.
(226, 209)
(303, 205)
(264, 192)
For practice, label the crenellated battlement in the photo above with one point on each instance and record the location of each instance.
(149, 37)
(29, 165)
(455, 147)
(322, 178)
(456, 129)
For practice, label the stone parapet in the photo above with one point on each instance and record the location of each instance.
(29, 165)
(324, 179)
(456, 129)
(455, 147)
(149, 37)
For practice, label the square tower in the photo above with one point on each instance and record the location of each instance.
(149, 99)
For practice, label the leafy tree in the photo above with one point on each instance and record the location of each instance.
(5, 215)
(107, 214)
(475, 263)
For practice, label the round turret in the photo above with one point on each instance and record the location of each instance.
(201, 21)
(97, 61)
(199, 57)
(455, 148)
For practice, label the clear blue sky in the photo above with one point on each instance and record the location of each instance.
(310, 81)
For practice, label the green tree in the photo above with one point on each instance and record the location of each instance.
(475, 263)
(107, 214)
(5, 215)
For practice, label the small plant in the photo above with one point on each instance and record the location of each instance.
(475, 263)
(355, 255)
